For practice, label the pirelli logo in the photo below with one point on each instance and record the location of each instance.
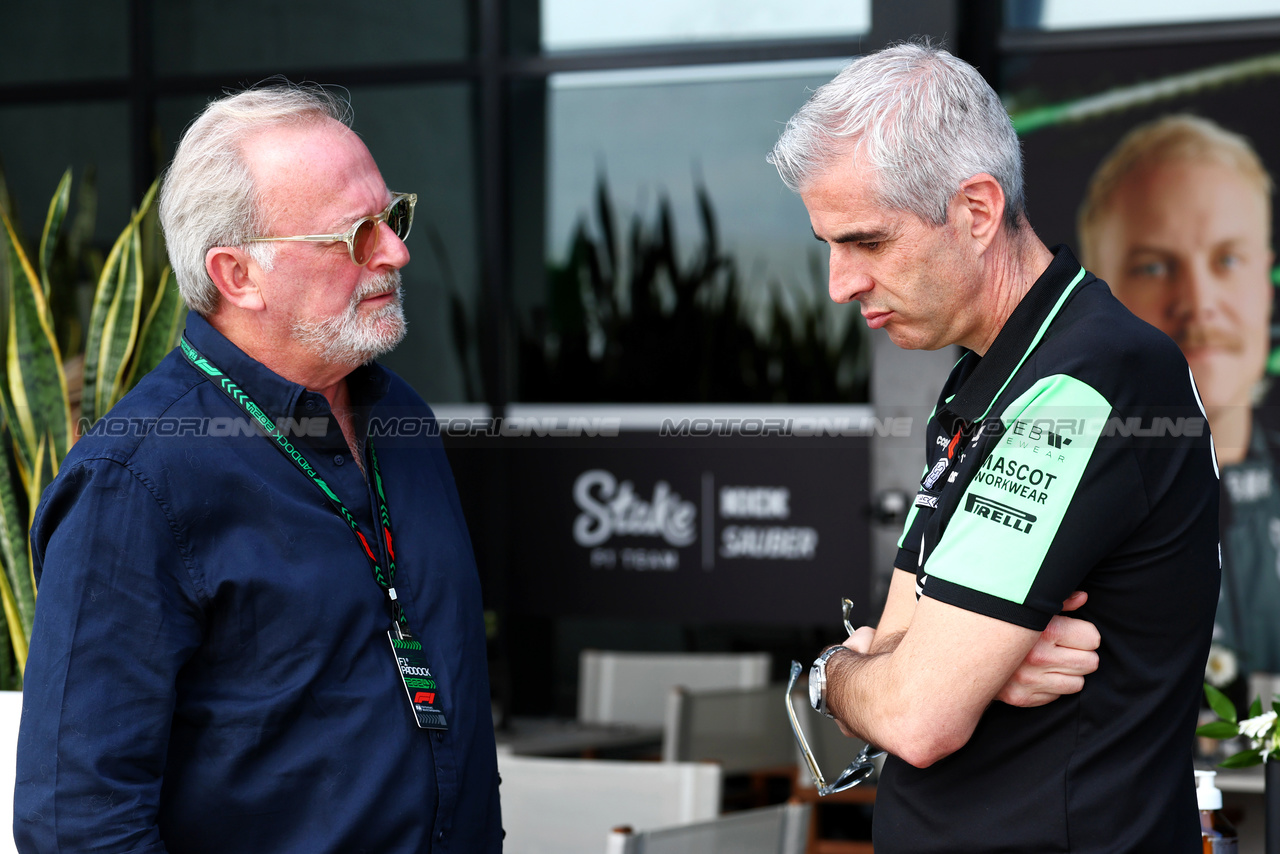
(1001, 514)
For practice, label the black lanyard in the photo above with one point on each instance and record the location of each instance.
(384, 579)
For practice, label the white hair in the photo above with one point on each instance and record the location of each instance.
(209, 199)
(920, 119)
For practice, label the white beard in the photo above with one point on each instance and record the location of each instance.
(353, 339)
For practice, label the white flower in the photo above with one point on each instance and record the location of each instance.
(1259, 727)
(1220, 669)
(1271, 750)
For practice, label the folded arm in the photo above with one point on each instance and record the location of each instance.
(918, 684)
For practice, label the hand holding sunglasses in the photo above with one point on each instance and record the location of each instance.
(863, 764)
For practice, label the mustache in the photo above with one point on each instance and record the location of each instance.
(383, 283)
(1195, 336)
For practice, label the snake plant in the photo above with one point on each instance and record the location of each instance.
(135, 319)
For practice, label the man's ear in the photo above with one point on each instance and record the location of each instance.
(236, 276)
(982, 198)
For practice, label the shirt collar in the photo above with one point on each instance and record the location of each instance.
(367, 384)
(1016, 339)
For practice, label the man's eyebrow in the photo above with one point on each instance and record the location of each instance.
(873, 236)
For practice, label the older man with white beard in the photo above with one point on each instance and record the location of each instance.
(243, 642)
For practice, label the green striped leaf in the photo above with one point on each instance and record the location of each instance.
(52, 224)
(17, 584)
(160, 330)
(13, 621)
(120, 332)
(154, 257)
(37, 384)
(103, 299)
(17, 587)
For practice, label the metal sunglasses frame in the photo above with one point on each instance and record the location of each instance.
(862, 766)
(349, 237)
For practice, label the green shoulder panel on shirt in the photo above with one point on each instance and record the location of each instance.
(1010, 513)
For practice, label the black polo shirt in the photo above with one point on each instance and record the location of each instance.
(1074, 456)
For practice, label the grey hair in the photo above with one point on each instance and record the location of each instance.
(922, 120)
(209, 199)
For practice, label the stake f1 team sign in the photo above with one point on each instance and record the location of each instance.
(611, 512)
(766, 530)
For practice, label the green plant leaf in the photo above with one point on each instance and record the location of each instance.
(1255, 708)
(1244, 759)
(52, 224)
(1218, 729)
(16, 586)
(1222, 707)
(154, 255)
(103, 299)
(123, 321)
(37, 384)
(160, 330)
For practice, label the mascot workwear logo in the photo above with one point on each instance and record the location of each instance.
(612, 509)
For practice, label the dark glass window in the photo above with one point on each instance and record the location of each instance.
(39, 142)
(423, 140)
(55, 40)
(268, 36)
(671, 164)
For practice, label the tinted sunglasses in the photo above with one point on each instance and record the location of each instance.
(362, 237)
(862, 766)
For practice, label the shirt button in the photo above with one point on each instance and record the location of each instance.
(440, 836)
(439, 736)
(339, 459)
(310, 404)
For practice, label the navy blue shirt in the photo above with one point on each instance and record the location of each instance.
(209, 667)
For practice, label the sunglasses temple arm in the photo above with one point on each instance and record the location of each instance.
(799, 733)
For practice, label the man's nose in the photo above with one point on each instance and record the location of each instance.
(391, 251)
(847, 281)
(1196, 292)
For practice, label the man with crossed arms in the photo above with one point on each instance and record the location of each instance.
(1048, 472)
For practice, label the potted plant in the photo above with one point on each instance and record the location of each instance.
(62, 374)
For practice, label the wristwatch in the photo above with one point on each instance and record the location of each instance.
(818, 681)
